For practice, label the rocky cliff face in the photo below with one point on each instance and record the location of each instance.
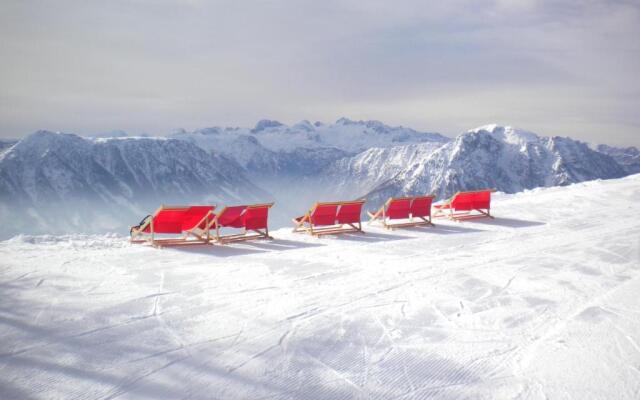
(499, 157)
(627, 157)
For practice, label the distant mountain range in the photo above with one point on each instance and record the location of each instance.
(58, 182)
(272, 149)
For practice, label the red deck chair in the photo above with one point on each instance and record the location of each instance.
(252, 218)
(404, 208)
(393, 209)
(462, 204)
(331, 218)
(175, 220)
(421, 209)
(195, 225)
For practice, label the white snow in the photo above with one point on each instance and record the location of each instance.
(344, 134)
(541, 302)
(508, 134)
(499, 157)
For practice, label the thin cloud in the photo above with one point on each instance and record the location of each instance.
(148, 66)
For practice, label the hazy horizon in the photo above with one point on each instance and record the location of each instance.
(112, 132)
(553, 68)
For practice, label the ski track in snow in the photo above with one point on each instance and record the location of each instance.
(539, 303)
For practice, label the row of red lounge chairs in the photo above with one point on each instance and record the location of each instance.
(199, 224)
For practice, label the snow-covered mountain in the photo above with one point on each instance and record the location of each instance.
(627, 157)
(499, 157)
(351, 176)
(304, 149)
(118, 133)
(56, 181)
(293, 160)
(6, 144)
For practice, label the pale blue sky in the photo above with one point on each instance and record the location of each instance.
(556, 67)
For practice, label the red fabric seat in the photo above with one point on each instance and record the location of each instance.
(398, 208)
(194, 217)
(331, 218)
(421, 206)
(472, 201)
(167, 220)
(173, 220)
(199, 221)
(324, 214)
(407, 208)
(462, 204)
(349, 213)
(256, 217)
(230, 217)
(252, 218)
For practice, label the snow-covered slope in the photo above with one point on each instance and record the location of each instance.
(56, 182)
(541, 302)
(503, 158)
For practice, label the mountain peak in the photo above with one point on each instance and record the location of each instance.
(266, 124)
(118, 133)
(345, 121)
(43, 133)
(178, 131)
(42, 142)
(45, 136)
(304, 125)
(507, 134)
(372, 124)
(213, 130)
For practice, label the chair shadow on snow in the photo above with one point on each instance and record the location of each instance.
(244, 248)
(216, 250)
(507, 222)
(282, 244)
(275, 245)
(441, 229)
(370, 236)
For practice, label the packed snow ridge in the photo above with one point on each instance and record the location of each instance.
(540, 302)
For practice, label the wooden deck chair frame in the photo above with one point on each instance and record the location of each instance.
(381, 215)
(304, 224)
(138, 234)
(441, 209)
(245, 234)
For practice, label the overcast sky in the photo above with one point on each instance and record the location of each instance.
(568, 68)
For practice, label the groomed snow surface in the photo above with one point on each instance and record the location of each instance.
(542, 302)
